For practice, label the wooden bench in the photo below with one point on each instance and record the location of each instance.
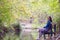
(51, 32)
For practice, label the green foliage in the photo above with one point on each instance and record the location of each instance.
(12, 9)
(5, 11)
(57, 20)
(54, 6)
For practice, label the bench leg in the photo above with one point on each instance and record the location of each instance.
(51, 36)
(44, 37)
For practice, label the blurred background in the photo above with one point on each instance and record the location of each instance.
(20, 19)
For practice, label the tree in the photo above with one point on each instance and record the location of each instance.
(6, 15)
(55, 10)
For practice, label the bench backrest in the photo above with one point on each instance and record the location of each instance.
(52, 28)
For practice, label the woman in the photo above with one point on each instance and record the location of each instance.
(46, 28)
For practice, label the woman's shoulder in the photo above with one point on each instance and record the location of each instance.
(49, 21)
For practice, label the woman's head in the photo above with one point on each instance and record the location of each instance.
(49, 18)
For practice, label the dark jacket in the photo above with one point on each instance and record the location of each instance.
(48, 25)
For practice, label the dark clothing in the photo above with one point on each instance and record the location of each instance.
(48, 25)
(46, 28)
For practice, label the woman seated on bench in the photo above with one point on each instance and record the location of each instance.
(46, 28)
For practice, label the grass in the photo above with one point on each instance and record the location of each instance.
(11, 37)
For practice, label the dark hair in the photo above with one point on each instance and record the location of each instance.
(50, 18)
